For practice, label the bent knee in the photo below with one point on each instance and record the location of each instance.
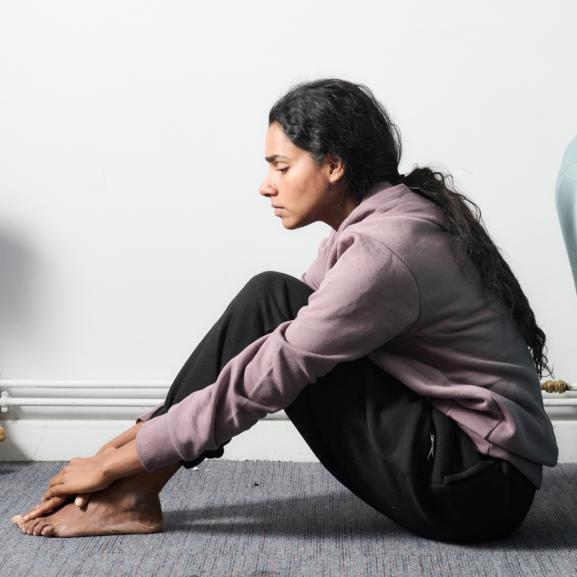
(270, 282)
(263, 280)
(288, 292)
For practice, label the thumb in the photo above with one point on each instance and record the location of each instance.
(82, 499)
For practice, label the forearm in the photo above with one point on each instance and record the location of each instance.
(124, 437)
(123, 462)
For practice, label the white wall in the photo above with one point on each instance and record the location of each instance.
(132, 143)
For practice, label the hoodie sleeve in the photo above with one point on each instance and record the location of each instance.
(148, 414)
(368, 297)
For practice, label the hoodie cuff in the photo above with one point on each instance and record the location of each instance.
(153, 445)
(147, 415)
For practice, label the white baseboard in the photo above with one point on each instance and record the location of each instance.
(59, 420)
(268, 440)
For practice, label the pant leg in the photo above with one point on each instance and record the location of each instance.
(266, 300)
(369, 430)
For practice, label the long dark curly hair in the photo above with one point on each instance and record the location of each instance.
(334, 116)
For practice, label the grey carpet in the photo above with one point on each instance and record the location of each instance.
(277, 519)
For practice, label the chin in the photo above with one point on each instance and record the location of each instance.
(291, 224)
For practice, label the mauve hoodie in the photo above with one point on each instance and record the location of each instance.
(387, 286)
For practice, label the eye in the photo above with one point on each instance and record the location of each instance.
(282, 169)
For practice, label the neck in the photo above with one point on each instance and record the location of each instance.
(341, 211)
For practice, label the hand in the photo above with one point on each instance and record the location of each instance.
(50, 504)
(83, 498)
(96, 473)
(80, 476)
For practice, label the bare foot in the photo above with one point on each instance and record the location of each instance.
(118, 509)
(56, 502)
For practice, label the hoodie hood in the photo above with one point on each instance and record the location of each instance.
(386, 200)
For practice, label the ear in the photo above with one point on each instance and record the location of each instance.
(336, 168)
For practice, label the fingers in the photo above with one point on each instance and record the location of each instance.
(58, 477)
(39, 510)
(43, 508)
(55, 490)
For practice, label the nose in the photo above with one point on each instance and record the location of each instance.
(266, 188)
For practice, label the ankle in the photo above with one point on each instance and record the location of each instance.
(149, 484)
(133, 493)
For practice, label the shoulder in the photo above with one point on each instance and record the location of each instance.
(364, 243)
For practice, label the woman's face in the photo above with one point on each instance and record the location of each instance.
(297, 184)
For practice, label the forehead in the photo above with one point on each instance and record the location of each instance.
(278, 146)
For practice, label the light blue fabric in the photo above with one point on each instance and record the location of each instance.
(566, 199)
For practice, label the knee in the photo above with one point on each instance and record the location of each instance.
(264, 281)
(287, 292)
(271, 285)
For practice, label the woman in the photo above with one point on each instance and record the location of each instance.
(407, 355)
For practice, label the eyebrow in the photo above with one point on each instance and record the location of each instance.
(275, 157)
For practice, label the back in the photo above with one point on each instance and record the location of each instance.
(464, 351)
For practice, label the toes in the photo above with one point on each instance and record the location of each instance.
(40, 528)
(30, 526)
(37, 530)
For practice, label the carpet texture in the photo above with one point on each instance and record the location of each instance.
(280, 519)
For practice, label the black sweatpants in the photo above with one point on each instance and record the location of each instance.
(384, 442)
